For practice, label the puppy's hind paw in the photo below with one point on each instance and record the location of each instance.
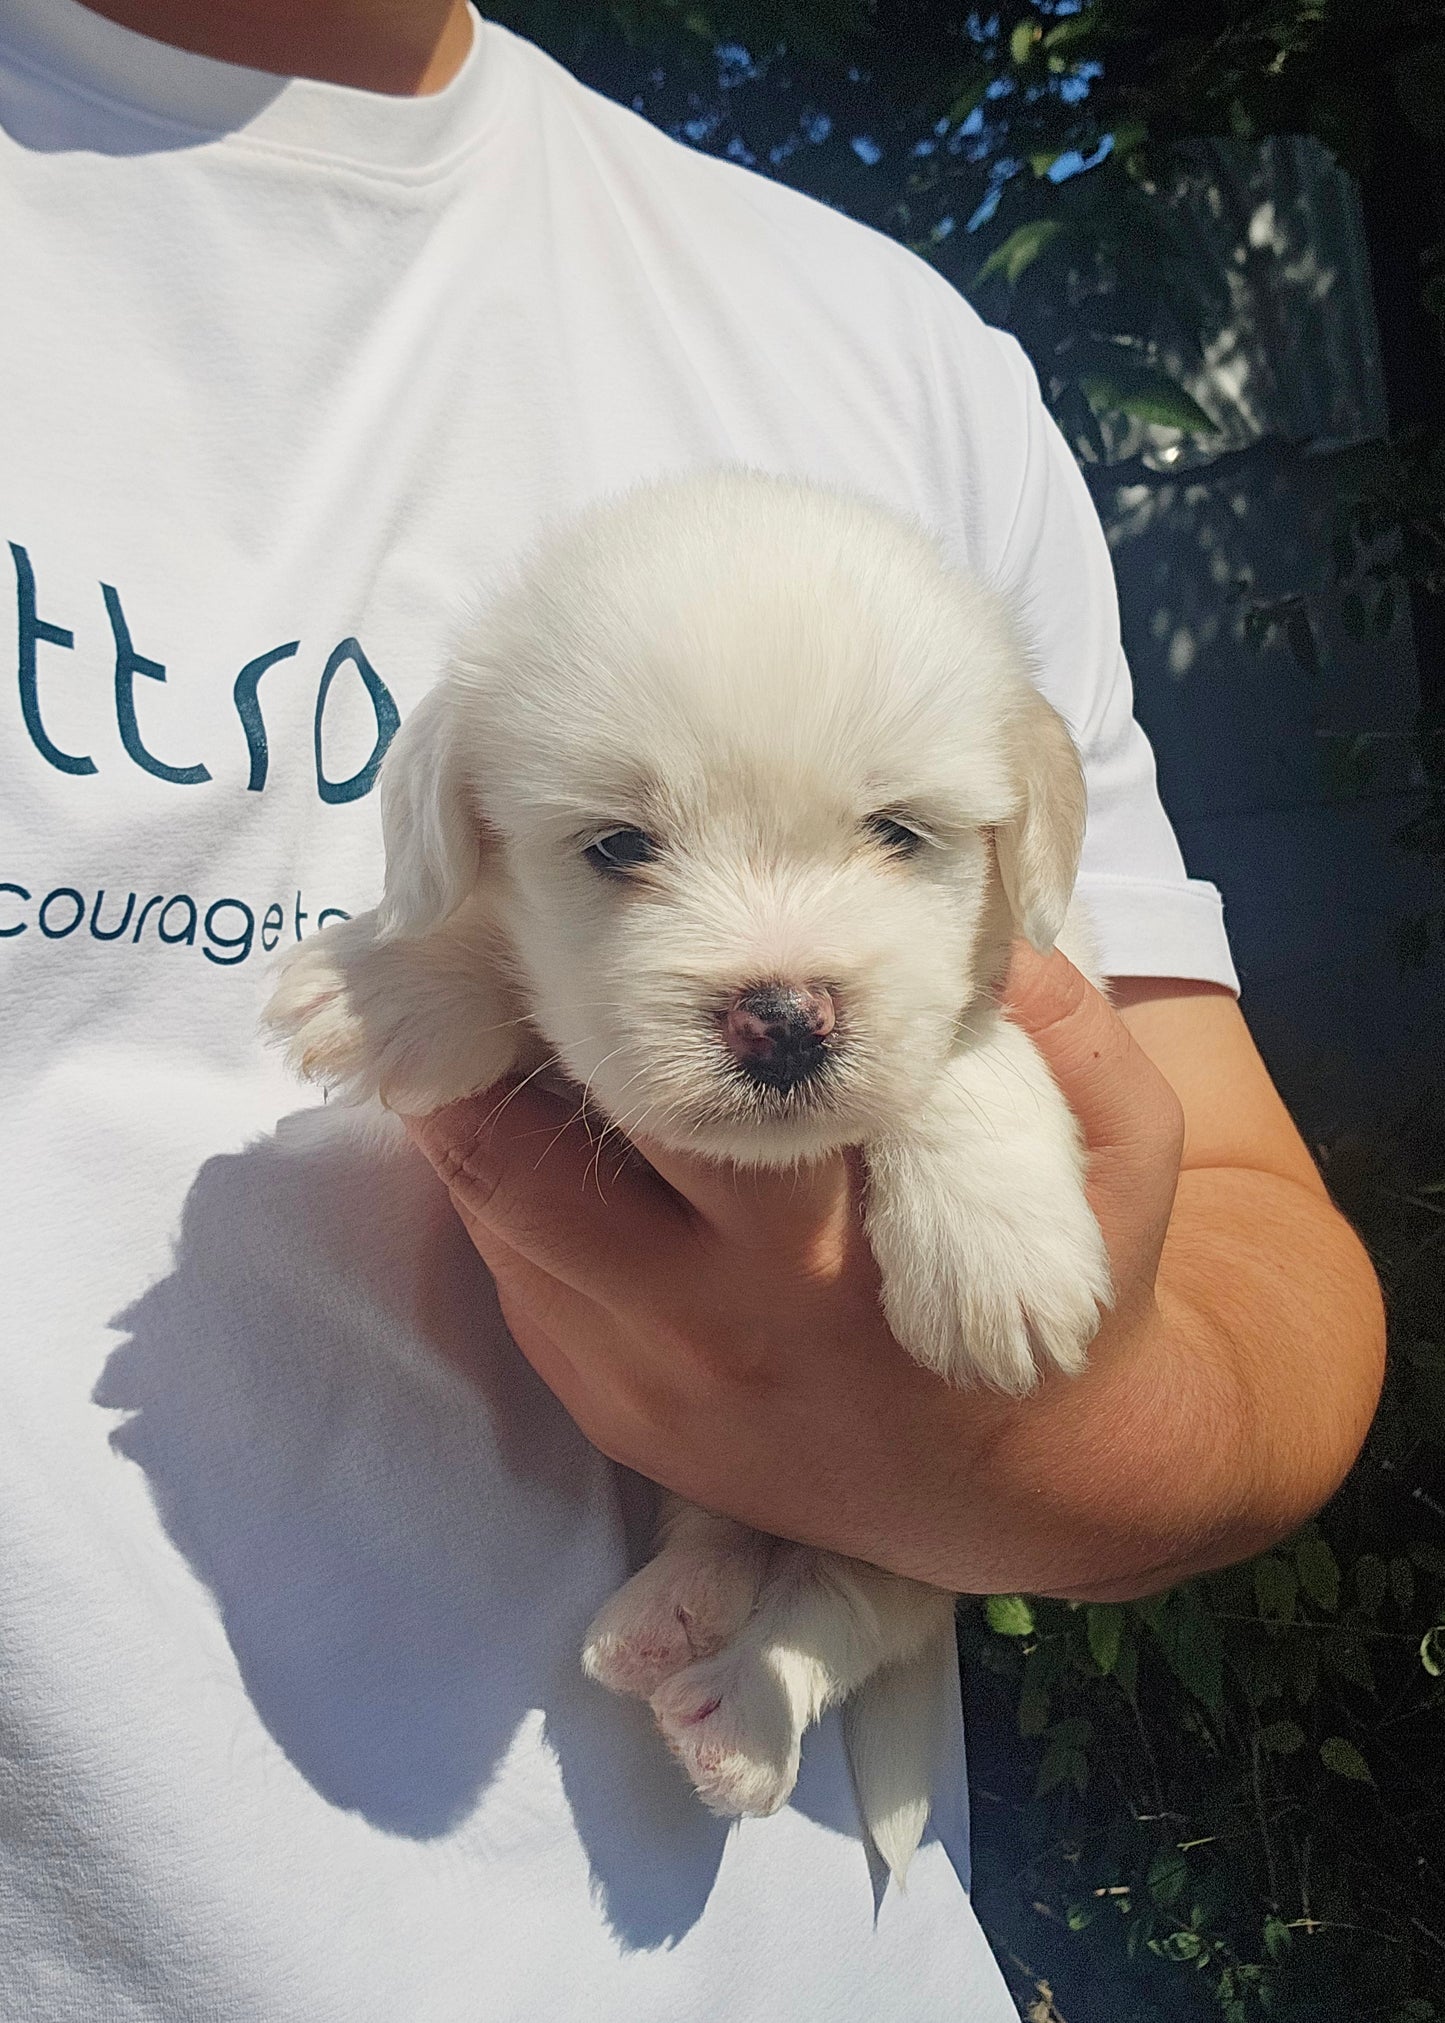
(730, 1723)
(682, 1606)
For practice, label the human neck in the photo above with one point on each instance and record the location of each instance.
(404, 47)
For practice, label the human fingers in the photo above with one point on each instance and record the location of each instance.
(800, 1212)
(527, 1170)
(1132, 1120)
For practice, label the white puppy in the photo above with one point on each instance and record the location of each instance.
(730, 806)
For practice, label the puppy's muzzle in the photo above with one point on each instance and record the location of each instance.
(780, 1034)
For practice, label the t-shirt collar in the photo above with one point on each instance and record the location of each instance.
(175, 88)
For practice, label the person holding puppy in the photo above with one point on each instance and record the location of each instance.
(317, 318)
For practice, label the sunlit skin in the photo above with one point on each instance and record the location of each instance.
(404, 47)
(720, 1333)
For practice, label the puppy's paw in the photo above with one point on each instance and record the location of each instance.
(415, 1023)
(1001, 1298)
(312, 1009)
(1064, 1290)
(1009, 1313)
(730, 1722)
(1022, 1318)
(684, 1605)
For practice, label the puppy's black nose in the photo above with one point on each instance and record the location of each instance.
(778, 1033)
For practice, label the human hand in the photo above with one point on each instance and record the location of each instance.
(718, 1329)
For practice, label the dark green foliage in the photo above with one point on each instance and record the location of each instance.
(1230, 1802)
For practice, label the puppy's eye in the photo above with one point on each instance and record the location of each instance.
(620, 850)
(895, 836)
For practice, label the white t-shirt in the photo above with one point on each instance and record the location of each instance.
(295, 1552)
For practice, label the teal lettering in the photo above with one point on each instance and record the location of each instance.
(32, 630)
(6, 933)
(128, 664)
(388, 721)
(61, 892)
(248, 709)
(140, 923)
(330, 913)
(100, 933)
(273, 923)
(240, 943)
(188, 932)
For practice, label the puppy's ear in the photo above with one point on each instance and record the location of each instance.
(1039, 846)
(432, 835)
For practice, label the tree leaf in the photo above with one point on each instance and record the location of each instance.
(1276, 1588)
(1282, 1738)
(1319, 1572)
(1105, 1629)
(1009, 1616)
(1034, 1695)
(1124, 385)
(1021, 42)
(1189, 1639)
(1062, 1764)
(1277, 1935)
(1168, 1875)
(1020, 249)
(1345, 1760)
(1074, 28)
(1432, 1651)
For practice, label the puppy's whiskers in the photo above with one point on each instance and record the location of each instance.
(1007, 1073)
(611, 1127)
(580, 1114)
(489, 1121)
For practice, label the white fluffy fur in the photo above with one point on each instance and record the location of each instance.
(748, 669)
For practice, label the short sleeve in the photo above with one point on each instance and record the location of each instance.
(1041, 541)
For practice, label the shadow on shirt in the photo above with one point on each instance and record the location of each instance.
(403, 1532)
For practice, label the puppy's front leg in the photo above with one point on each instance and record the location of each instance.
(690, 1599)
(416, 1023)
(992, 1263)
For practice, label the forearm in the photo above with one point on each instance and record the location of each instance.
(1218, 1422)
(721, 1332)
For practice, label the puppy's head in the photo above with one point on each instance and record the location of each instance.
(759, 789)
